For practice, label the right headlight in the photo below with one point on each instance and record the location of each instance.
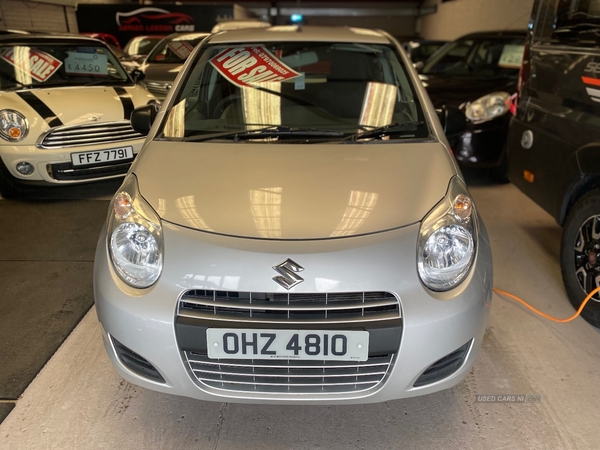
(13, 125)
(448, 240)
(134, 237)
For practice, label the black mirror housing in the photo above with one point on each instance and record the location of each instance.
(143, 117)
(137, 75)
(453, 120)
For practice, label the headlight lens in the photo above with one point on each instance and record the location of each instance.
(13, 125)
(448, 240)
(134, 236)
(488, 107)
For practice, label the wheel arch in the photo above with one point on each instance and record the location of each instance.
(588, 179)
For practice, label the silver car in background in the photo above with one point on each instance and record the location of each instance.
(295, 230)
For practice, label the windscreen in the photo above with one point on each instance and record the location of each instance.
(175, 50)
(478, 58)
(31, 66)
(341, 87)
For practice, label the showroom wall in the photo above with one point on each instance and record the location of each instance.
(39, 16)
(455, 18)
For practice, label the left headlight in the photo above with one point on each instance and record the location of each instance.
(448, 240)
(134, 237)
(488, 107)
(13, 125)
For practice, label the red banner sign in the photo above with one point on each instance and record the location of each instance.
(244, 66)
(39, 65)
(181, 48)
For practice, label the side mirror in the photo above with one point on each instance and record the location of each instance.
(137, 75)
(453, 120)
(143, 117)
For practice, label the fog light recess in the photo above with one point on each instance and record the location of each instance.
(25, 168)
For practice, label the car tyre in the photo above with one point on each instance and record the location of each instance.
(8, 188)
(579, 255)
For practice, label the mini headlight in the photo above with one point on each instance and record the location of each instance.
(448, 240)
(134, 235)
(13, 125)
(488, 107)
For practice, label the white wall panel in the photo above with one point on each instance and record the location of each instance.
(25, 15)
(458, 17)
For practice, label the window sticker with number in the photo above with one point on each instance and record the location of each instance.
(181, 48)
(91, 64)
(511, 57)
(37, 64)
(243, 66)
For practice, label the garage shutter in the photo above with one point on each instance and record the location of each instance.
(33, 16)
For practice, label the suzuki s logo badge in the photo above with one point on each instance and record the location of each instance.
(288, 271)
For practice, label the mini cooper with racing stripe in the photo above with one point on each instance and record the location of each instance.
(65, 112)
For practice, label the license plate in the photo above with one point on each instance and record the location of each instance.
(224, 343)
(101, 156)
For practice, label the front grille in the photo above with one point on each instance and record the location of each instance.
(93, 134)
(291, 376)
(376, 312)
(67, 171)
(288, 308)
(157, 88)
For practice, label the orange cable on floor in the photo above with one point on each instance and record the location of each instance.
(524, 303)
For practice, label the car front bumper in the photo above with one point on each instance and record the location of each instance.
(54, 166)
(432, 325)
(481, 145)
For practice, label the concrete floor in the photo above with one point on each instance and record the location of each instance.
(78, 402)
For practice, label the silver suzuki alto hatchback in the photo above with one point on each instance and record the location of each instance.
(294, 230)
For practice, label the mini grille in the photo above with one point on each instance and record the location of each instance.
(66, 171)
(81, 135)
(307, 377)
(288, 308)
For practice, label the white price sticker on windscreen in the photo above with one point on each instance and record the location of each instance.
(511, 57)
(86, 64)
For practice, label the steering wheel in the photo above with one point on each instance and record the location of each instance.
(223, 103)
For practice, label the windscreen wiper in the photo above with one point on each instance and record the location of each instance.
(385, 130)
(271, 131)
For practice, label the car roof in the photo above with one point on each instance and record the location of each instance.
(504, 34)
(189, 36)
(42, 38)
(301, 33)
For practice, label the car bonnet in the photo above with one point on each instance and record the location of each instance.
(76, 105)
(279, 191)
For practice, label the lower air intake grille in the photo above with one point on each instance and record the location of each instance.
(135, 362)
(290, 376)
(67, 171)
(444, 367)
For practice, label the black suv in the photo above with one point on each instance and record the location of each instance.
(554, 138)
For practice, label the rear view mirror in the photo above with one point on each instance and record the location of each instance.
(143, 117)
(453, 120)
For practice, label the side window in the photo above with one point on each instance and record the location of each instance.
(577, 23)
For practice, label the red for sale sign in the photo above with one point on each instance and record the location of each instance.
(181, 48)
(39, 65)
(244, 66)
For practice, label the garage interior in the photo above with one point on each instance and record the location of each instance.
(532, 386)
